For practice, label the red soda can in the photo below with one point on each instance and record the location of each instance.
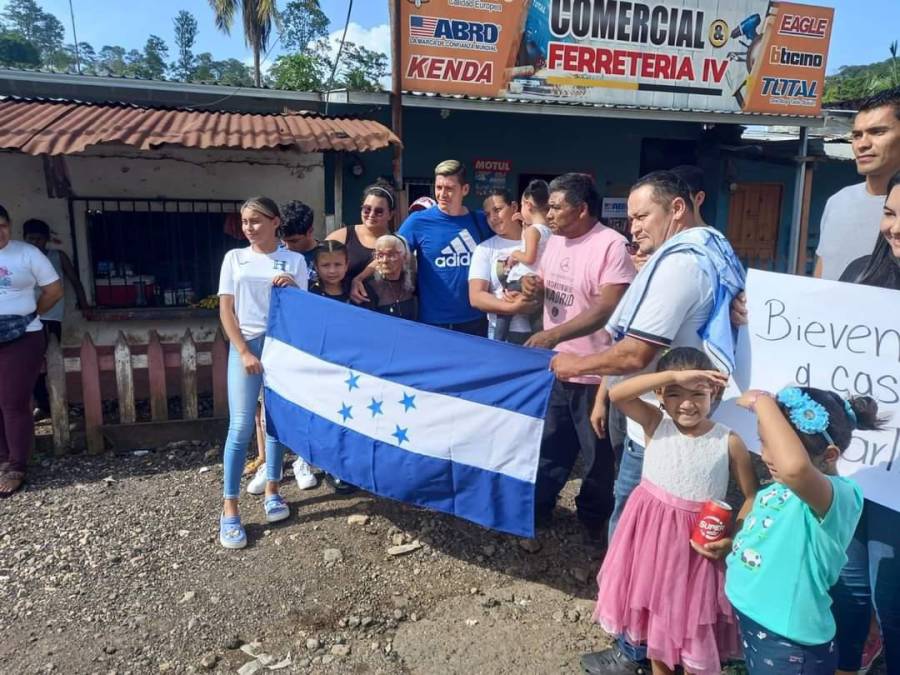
(712, 523)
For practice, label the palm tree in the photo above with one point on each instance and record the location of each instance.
(258, 15)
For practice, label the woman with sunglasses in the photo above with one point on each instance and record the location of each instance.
(377, 212)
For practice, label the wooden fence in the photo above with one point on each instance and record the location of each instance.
(90, 364)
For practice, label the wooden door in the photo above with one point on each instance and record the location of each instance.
(753, 216)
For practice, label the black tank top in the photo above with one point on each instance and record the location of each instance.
(358, 255)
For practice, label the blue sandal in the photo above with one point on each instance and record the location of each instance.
(231, 532)
(276, 508)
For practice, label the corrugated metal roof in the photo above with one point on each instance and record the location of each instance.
(53, 127)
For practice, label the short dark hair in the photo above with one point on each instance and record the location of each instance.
(579, 188)
(884, 98)
(296, 218)
(690, 174)
(840, 424)
(35, 226)
(4, 214)
(666, 186)
(538, 192)
(503, 193)
(684, 358)
(882, 268)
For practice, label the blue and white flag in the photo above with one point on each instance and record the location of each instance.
(408, 411)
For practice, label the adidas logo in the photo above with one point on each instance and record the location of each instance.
(458, 252)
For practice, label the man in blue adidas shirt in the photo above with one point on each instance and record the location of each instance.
(443, 239)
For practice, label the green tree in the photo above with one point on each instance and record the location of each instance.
(153, 59)
(185, 35)
(36, 26)
(111, 61)
(303, 25)
(362, 68)
(230, 72)
(17, 52)
(299, 72)
(87, 57)
(258, 18)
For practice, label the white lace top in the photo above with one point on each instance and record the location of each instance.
(687, 467)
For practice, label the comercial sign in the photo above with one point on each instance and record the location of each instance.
(740, 56)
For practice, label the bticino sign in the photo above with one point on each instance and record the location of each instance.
(760, 56)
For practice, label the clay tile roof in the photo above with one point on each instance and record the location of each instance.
(53, 127)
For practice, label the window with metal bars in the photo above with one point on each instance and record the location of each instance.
(158, 253)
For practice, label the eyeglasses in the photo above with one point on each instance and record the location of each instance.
(377, 211)
(393, 253)
(631, 248)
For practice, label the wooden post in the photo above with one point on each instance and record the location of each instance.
(339, 190)
(90, 393)
(124, 380)
(59, 405)
(804, 218)
(219, 354)
(156, 371)
(189, 377)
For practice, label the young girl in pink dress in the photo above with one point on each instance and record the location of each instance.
(656, 587)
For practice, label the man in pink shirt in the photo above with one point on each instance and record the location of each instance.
(584, 272)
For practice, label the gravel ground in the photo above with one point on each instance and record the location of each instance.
(112, 564)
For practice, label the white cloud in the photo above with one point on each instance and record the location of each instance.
(377, 38)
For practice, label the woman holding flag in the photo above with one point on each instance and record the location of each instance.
(245, 285)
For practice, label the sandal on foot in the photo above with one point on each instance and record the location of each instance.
(231, 532)
(276, 508)
(10, 483)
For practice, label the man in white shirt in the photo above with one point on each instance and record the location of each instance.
(849, 226)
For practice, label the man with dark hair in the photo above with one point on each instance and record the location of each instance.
(693, 177)
(297, 232)
(849, 225)
(583, 273)
(683, 292)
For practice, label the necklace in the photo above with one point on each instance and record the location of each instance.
(392, 286)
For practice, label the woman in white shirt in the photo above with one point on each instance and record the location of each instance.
(245, 285)
(22, 269)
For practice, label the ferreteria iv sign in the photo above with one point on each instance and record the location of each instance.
(737, 56)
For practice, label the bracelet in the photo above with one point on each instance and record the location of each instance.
(756, 396)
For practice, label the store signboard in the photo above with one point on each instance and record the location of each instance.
(751, 56)
(490, 174)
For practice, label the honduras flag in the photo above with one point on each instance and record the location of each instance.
(408, 411)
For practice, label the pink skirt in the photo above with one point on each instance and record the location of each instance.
(656, 590)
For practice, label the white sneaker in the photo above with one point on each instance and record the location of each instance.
(306, 479)
(257, 484)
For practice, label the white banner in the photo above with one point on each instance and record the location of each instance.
(829, 335)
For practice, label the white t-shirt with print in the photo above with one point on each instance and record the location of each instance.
(22, 268)
(848, 229)
(483, 266)
(248, 275)
(676, 305)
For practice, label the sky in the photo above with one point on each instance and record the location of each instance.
(863, 29)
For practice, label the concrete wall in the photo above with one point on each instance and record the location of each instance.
(112, 171)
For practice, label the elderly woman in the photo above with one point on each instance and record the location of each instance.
(871, 576)
(23, 270)
(392, 289)
(245, 285)
(377, 211)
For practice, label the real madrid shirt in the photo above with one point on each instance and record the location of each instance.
(785, 559)
(248, 275)
(444, 246)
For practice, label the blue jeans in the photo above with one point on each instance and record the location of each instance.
(768, 653)
(243, 396)
(628, 478)
(870, 578)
